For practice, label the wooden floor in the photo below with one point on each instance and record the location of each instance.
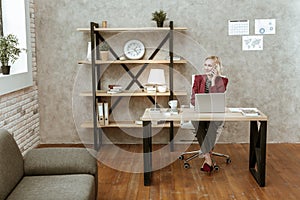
(232, 181)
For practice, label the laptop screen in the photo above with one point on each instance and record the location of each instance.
(210, 102)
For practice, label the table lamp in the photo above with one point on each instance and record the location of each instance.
(156, 77)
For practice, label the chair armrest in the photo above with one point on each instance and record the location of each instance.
(46, 161)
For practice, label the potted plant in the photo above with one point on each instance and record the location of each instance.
(159, 16)
(104, 48)
(9, 51)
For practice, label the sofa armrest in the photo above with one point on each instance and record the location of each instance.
(46, 161)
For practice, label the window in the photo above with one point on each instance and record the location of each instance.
(1, 22)
(16, 20)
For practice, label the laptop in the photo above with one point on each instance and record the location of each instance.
(210, 102)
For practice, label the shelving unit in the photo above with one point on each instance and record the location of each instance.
(103, 93)
(132, 62)
(132, 29)
(97, 92)
(126, 124)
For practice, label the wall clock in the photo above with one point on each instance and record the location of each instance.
(134, 49)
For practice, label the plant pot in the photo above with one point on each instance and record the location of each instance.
(5, 70)
(104, 55)
(160, 23)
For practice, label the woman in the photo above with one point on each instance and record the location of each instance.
(206, 131)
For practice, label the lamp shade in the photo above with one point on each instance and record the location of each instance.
(157, 77)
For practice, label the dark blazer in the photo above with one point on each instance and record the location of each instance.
(199, 85)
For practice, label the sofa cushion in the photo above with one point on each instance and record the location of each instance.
(11, 163)
(56, 187)
(44, 161)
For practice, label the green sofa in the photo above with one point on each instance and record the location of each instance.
(46, 173)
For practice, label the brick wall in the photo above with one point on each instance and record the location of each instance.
(19, 110)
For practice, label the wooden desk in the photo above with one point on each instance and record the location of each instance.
(258, 136)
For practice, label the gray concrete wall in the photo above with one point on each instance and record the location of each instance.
(265, 79)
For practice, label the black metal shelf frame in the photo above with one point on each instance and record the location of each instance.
(96, 38)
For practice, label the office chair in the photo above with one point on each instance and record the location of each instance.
(198, 153)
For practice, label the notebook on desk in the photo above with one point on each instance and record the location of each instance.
(210, 102)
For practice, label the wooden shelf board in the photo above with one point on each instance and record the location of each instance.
(132, 62)
(127, 124)
(128, 93)
(132, 29)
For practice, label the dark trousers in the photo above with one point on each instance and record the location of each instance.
(206, 133)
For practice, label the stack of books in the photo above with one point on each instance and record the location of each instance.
(250, 112)
(166, 111)
(114, 89)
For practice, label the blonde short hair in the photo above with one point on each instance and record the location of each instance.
(217, 63)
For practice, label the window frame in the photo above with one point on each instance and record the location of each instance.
(14, 82)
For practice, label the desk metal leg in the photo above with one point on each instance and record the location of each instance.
(147, 150)
(257, 153)
(171, 136)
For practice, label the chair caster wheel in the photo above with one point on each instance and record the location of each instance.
(181, 157)
(186, 165)
(228, 160)
(216, 168)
